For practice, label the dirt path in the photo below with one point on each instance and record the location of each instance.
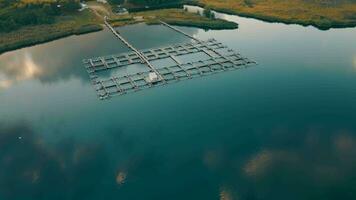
(101, 10)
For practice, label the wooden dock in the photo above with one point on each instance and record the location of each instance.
(217, 58)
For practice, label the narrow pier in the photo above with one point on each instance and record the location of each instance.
(179, 31)
(196, 39)
(138, 53)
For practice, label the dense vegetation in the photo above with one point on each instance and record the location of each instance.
(28, 22)
(63, 24)
(175, 17)
(17, 13)
(323, 14)
(152, 2)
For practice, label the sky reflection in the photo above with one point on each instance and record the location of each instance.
(17, 69)
(31, 169)
(326, 159)
(229, 136)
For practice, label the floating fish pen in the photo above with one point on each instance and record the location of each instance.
(214, 57)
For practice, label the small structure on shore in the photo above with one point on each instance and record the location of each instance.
(138, 18)
(102, 1)
(119, 10)
(83, 6)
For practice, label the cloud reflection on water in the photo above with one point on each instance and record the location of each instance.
(32, 169)
(315, 162)
(305, 163)
(226, 194)
(62, 59)
(326, 160)
(16, 70)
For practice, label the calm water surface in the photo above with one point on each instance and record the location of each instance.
(285, 129)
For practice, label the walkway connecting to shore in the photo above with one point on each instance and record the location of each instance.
(219, 58)
(179, 31)
(138, 53)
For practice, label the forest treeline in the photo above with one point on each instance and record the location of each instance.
(17, 13)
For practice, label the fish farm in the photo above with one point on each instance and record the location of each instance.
(213, 56)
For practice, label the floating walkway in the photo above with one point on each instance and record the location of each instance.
(138, 53)
(217, 58)
(179, 31)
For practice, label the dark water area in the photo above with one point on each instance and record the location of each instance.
(285, 129)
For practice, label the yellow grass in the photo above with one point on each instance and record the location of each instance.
(175, 17)
(291, 11)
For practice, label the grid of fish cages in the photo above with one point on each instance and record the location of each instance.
(217, 58)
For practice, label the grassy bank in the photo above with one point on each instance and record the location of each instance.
(174, 17)
(91, 20)
(67, 25)
(320, 14)
(182, 18)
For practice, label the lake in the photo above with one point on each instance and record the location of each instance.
(284, 129)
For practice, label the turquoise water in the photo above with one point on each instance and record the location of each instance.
(284, 129)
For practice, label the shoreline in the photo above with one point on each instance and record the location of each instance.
(33, 42)
(178, 18)
(34, 35)
(272, 19)
(64, 26)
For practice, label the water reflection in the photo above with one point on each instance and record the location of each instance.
(259, 163)
(18, 69)
(213, 158)
(226, 194)
(214, 138)
(61, 60)
(39, 63)
(315, 163)
(31, 169)
(121, 178)
(145, 37)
